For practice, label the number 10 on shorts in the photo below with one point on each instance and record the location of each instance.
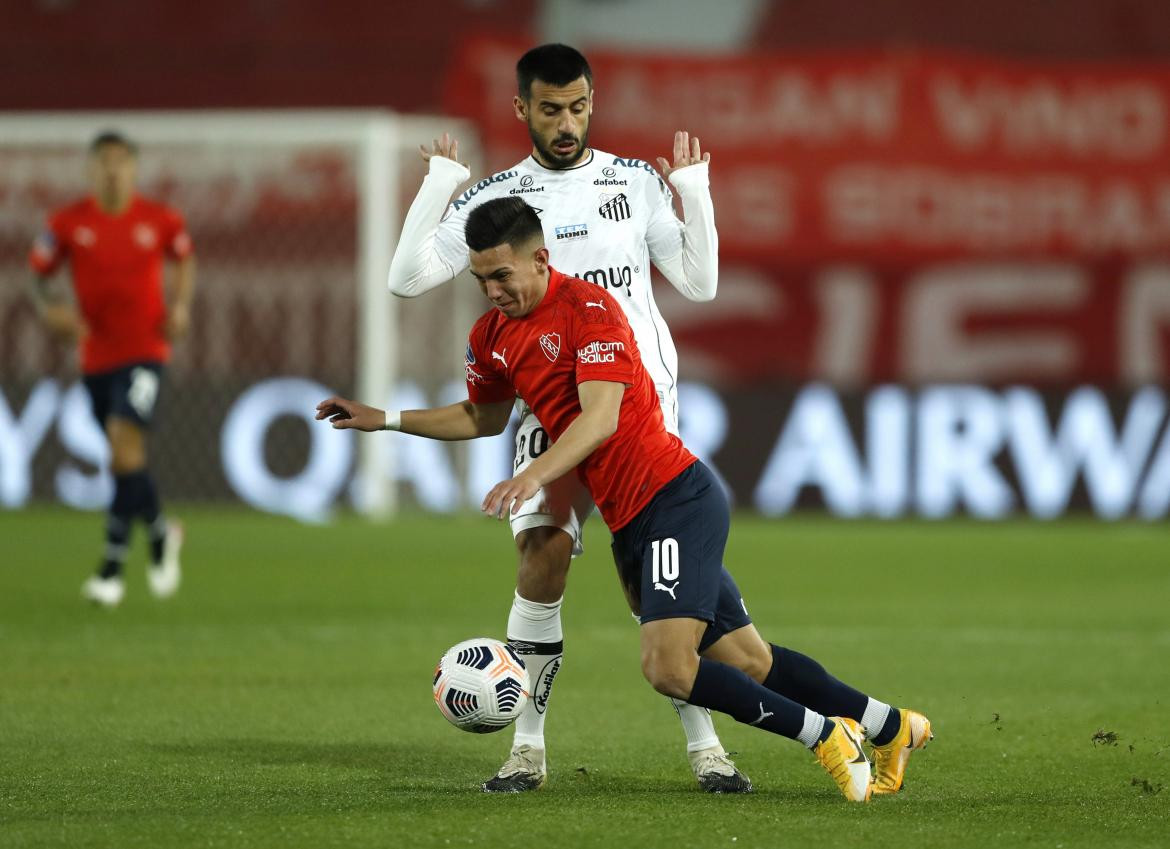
(664, 559)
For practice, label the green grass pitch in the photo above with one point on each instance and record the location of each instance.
(282, 699)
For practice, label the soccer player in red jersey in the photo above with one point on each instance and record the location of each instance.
(115, 243)
(566, 348)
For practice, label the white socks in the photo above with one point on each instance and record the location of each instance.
(810, 732)
(697, 724)
(534, 630)
(872, 721)
(875, 716)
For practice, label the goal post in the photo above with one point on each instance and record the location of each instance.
(295, 216)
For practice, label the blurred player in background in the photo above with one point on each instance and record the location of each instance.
(606, 218)
(668, 515)
(115, 242)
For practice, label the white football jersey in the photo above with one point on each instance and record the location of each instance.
(605, 221)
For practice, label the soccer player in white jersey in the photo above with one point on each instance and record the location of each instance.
(606, 219)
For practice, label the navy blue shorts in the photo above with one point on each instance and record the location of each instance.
(130, 392)
(670, 557)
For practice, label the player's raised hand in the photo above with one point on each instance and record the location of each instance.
(446, 147)
(344, 414)
(508, 496)
(686, 152)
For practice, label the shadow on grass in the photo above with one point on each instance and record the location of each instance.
(427, 769)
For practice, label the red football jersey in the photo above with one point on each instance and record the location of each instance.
(117, 263)
(578, 333)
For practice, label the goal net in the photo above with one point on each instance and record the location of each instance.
(294, 217)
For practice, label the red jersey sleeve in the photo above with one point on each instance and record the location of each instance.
(49, 248)
(485, 385)
(603, 344)
(177, 241)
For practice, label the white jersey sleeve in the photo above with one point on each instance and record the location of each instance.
(686, 252)
(424, 257)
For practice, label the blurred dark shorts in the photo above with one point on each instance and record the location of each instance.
(130, 392)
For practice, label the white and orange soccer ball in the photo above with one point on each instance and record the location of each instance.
(481, 685)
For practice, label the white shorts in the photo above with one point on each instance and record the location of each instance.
(566, 502)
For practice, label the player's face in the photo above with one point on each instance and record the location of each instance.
(513, 279)
(112, 172)
(558, 121)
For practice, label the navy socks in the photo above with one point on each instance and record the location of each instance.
(135, 497)
(805, 681)
(728, 690)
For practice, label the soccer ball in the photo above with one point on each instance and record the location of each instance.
(481, 685)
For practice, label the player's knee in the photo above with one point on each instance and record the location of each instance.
(125, 460)
(127, 447)
(670, 673)
(754, 658)
(757, 665)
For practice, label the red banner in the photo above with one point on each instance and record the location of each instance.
(899, 215)
(883, 155)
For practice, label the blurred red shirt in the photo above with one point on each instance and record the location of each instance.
(578, 333)
(116, 262)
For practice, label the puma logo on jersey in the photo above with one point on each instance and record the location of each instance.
(666, 589)
(500, 357)
(599, 305)
(763, 715)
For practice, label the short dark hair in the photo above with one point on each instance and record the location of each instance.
(502, 221)
(555, 64)
(106, 137)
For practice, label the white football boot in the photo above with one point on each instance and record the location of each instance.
(716, 772)
(163, 577)
(524, 770)
(107, 592)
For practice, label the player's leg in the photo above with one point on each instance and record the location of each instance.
(674, 667)
(714, 769)
(712, 766)
(106, 587)
(893, 732)
(134, 403)
(547, 529)
(788, 672)
(674, 551)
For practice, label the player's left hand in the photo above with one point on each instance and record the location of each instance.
(178, 321)
(508, 496)
(446, 147)
(686, 152)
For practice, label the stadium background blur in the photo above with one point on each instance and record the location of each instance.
(944, 238)
(944, 294)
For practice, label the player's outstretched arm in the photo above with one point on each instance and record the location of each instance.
(464, 420)
(417, 266)
(687, 251)
(601, 402)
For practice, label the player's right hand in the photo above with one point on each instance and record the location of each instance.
(344, 414)
(446, 147)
